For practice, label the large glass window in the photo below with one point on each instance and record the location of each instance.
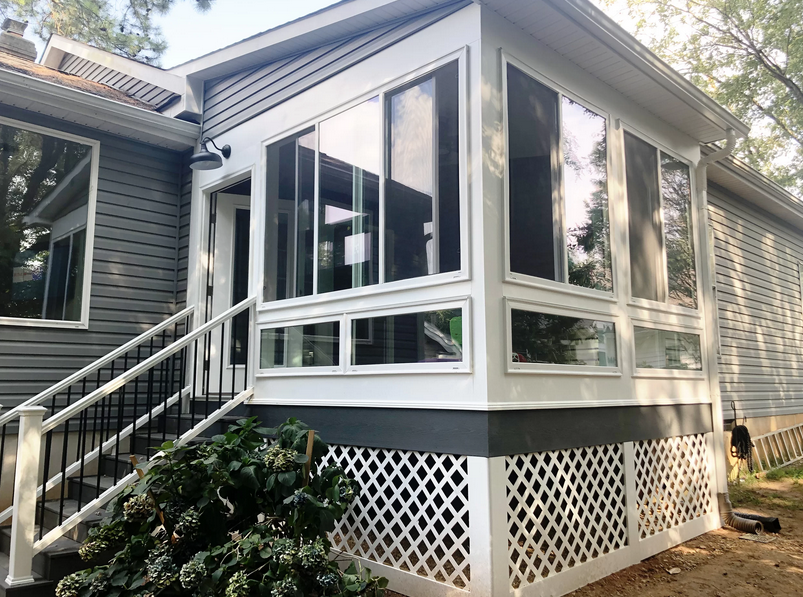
(290, 217)
(664, 349)
(348, 212)
(429, 337)
(422, 188)
(44, 203)
(416, 173)
(662, 266)
(558, 186)
(561, 340)
(313, 345)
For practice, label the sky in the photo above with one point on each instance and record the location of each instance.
(191, 33)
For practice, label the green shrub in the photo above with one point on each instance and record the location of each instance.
(239, 521)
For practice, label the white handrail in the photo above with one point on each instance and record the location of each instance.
(130, 375)
(92, 367)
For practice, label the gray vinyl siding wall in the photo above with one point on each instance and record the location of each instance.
(134, 268)
(185, 202)
(759, 307)
(234, 99)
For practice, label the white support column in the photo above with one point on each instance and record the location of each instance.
(26, 479)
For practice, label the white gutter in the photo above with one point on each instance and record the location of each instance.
(98, 112)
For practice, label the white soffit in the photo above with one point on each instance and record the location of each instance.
(582, 33)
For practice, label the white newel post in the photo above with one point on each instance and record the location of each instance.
(26, 480)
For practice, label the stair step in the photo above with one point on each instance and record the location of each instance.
(41, 587)
(81, 530)
(56, 561)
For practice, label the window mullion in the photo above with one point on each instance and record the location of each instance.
(664, 287)
(385, 164)
(559, 202)
(317, 209)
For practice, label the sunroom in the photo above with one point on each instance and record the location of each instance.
(477, 246)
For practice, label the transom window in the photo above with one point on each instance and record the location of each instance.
(376, 211)
(557, 185)
(45, 184)
(662, 265)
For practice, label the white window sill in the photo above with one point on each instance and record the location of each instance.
(43, 323)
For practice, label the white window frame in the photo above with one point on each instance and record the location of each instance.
(422, 282)
(558, 193)
(646, 373)
(463, 366)
(662, 306)
(554, 368)
(345, 319)
(83, 323)
(302, 371)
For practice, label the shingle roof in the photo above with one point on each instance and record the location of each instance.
(44, 73)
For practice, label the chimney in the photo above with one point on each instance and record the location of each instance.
(12, 42)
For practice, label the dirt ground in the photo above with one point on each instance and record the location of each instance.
(720, 564)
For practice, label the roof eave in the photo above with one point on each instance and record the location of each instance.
(608, 32)
(101, 113)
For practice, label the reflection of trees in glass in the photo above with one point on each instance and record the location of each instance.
(588, 241)
(676, 194)
(543, 338)
(31, 165)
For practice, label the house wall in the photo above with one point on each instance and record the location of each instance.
(134, 267)
(234, 99)
(543, 390)
(760, 311)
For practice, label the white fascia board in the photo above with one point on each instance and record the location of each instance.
(228, 59)
(607, 31)
(58, 46)
(174, 133)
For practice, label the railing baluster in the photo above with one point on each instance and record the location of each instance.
(48, 447)
(2, 453)
(64, 448)
(163, 389)
(120, 421)
(85, 417)
(220, 364)
(233, 354)
(195, 383)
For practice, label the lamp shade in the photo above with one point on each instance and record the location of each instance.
(205, 159)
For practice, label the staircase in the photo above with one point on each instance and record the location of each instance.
(74, 441)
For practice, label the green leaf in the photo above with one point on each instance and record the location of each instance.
(288, 478)
(249, 477)
(235, 465)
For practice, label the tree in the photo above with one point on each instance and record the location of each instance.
(123, 27)
(747, 55)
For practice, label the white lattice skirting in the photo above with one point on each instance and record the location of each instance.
(577, 515)
(568, 517)
(412, 513)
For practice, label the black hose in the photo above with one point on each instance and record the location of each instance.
(742, 445)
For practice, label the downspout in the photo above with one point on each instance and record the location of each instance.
(712, 324)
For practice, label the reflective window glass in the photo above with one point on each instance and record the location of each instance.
(44, 202)
(422, 190)
(663, 349)
(313, 345)
(427, 337)
(680, 268)
(348, 213)
(585, 181)
(561, 340)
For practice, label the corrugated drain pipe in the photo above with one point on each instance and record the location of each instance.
(729, 518)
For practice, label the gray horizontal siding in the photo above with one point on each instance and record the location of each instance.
(759, 306)
(234, 99)
(134, 269)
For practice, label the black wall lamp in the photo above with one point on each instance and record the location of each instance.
(205, 159)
